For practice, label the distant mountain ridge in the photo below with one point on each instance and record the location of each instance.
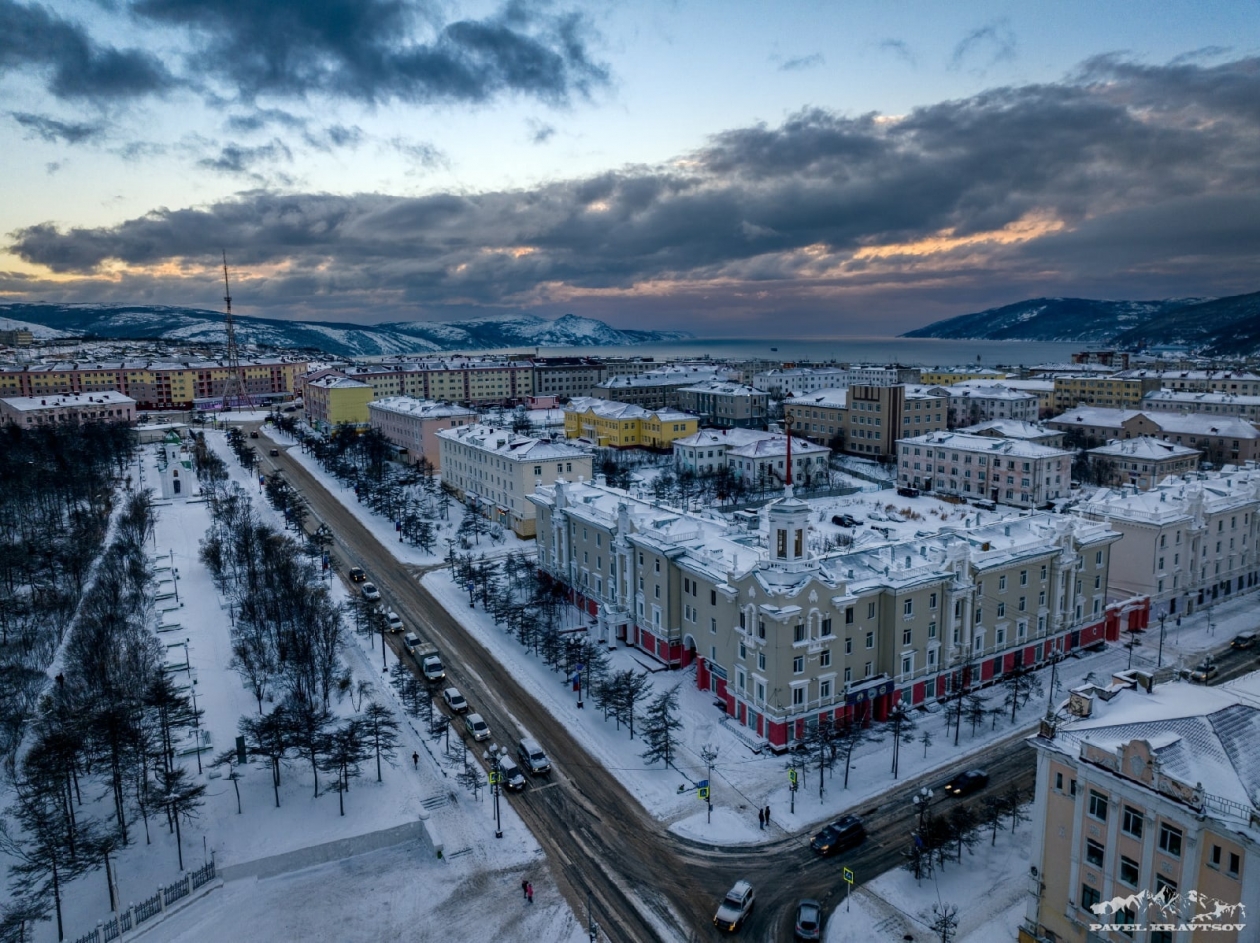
(196, 325)
(1214, 326)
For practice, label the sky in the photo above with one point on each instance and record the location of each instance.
(731, 168)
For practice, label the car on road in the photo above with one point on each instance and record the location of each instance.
(254, 434)
(370, 592)
(357, 575)
(393, 621)
(735, 907)
(274, 453)
(454, 700)
(1243, 640)
(841, 835)
(532, 757)
(964, 784)
(412, 642)
(513, 778)
(808, 920)
(478, 729)
(1204, 671)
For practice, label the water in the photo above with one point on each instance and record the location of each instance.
(911, 351)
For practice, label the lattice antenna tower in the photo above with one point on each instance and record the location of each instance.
(235, 385)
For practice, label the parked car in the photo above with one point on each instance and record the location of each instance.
(392, 620)
(370, 592)
(1243, 640)
(513, 778)
(532, 757)
(357, 575)
(808, 920)
(454, 700)
(1205, 671)
(908, 492)
(412, 642)
(735, 907)
(964, 784)
(477, 727)
(841, 835)
(845, 520)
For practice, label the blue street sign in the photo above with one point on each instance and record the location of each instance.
(703, 784)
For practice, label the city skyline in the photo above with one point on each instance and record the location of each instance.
(853, 170)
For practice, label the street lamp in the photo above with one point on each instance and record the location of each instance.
(1163, 617)
(922, 804)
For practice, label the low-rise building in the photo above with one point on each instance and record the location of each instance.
(705, 452)
(567, 377)
(495, 470)
(1215, 404)
(1215, 381)
(1116, 392)
(654, 389)
(972, 403)
(1006, 471)
(784, 636)
(725, 403)
(31, 411)
(819, 416)
(949, 376)
(800, 379)
(1017, 429)
(610, 424)
(1146, 821)
(1221, 439)
(335, 400)
(880, 415)
(1145, 461)
(1043, 389)
(862, 374)
(765, 460)
(412, 424)
(1188, 541)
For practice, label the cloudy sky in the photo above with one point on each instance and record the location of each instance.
(734, 168)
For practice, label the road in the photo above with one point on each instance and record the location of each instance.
(646, 883)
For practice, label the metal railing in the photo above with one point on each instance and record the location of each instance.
(150, 907)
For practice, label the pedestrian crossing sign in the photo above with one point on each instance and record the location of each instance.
(848, 875)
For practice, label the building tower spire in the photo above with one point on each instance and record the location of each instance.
(234, 386)
(787, 481)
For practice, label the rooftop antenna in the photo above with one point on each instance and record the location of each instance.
(234, 386)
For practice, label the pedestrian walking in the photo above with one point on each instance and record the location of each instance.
(767, 815)
(415, 760)
(524, 889)
(761, 818)
(529, 893)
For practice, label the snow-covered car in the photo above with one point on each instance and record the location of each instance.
(370, 592)
(411, 642)
(513, 779)
(1205, 671)
(454, 700)
(735, 907)
(393, 621)
(477, 727)
(808, 920)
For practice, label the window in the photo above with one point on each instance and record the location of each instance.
(1165, 887)
(848, 675)
(1089, 896)
(824, 658)
(848, 616)
(713, 626)
(1235, 864)
(932, 601)
(1128, 871)
(1098, 805)
(907, 608)
(1170, 839)
(798, 633)
(931, 630)
(866, 673)
(1023, 577)
(761, 629)
(1072, 788)
(848, 646)
(1215, 861)
(798, 697)
(1094, 853)
(713, 597)
(824, 689)
(1001, 584)
(1001, 612)
(870, 639)
(1132, 822)
(870, 610)
(798, 664)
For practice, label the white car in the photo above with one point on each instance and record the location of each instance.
(370, 592)
(479, 729)
(394, 623)
(454, 700)
(411, 641)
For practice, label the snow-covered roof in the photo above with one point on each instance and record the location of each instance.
(996, 391)
(986, 444)
(420, 408)
(724, 388)
(1097, 416)
(335, 382)
(1199, 396)
(1177, 497)
(835, 397)
(777, 445)
(1145, 447)
(60, 400)
(1147, 373)
(670, 376)
(1012, 429)
(1204, 424)
(611, 409)
(504, 443)
(726, 438)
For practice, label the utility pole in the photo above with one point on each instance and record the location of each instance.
(235, 383)
(709, 754)
(1163, 617)
(592, 928)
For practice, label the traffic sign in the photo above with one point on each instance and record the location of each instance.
(495, 778)
(703, 793)
(792, 777)
(848, 875)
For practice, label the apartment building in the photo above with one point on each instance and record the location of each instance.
(469, 381)
(494, 470)
(609, 424)
(880, 415)
(17, 337)
(765, 459)
(1221, 439)
(1017, 429)
(1007, 471)
(784, 380)
(1043, 389)
(974, 403)
(655, 389)
(1145, 816)
(412, 425)
(724, 403)
(31, 411)
(153, 384)
(1116, 359)
(1213, 381)
(1215, 404)
(334, 400)
(567, 377)
(890, 375)
(705, 451)
(1188, 541)
(782, 635)
(1115, 392)
(1145, 461)
(950, 376)
(819, 415)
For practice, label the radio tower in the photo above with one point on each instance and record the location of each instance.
(235, 384)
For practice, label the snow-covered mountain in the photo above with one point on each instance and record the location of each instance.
(194, 325)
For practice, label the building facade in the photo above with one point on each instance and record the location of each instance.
(494, 470)
(29, 411)
(654, 389)
(1214, 404)
(608, 424)
(973, 403)
(1114, 392)
(783, 636)
(567, 377)
(818, 416)
(412, 424)
(726, 404)
(800, 379)
(334, 400)
(880, 415)
(1005, 471)
(1145, 461)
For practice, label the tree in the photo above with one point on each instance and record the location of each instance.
(308, 723)
(853, 733)
(344, 750)
(962, 826)
(381, 730)
(925, 738)
(629, 688)
(1021, 683)
(1013, 799)
(975, 710)
(180, 798)
(993, 809)
(268, 737)
(660, 727)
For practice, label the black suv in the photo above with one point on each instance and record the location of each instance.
(964, 784)
(844, 833)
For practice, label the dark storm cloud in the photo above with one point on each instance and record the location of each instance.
(72, 64)
(52, 130)
(370, 50)
(1128, 174)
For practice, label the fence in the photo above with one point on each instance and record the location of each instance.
(150, 907)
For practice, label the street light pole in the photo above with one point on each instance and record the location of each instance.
(1163, 616)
